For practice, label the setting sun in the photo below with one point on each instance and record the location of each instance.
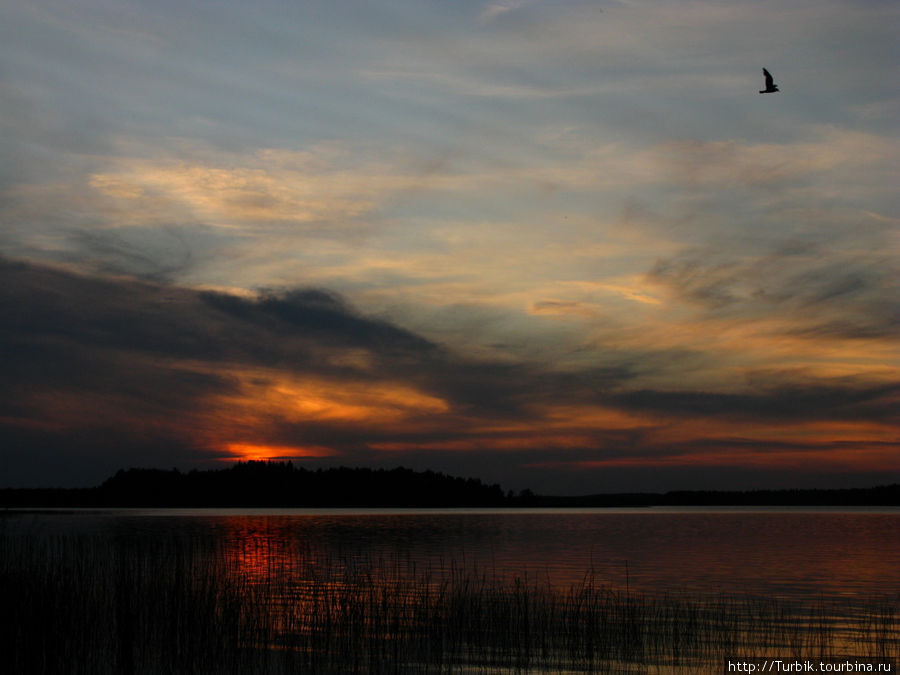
(254, 452)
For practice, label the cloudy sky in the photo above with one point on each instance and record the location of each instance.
(562, 245)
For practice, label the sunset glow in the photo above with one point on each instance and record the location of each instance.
(558, 246)
(249, 452)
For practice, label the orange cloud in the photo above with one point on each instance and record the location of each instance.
(299, 398)
(841, 459)
(267, 399)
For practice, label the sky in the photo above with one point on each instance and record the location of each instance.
(563, 246)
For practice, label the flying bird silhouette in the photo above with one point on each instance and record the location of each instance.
(771, 87)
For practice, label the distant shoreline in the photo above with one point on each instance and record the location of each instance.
(282, 485)
(883, 495)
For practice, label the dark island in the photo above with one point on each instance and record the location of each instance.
(281, 484)
(268, 484)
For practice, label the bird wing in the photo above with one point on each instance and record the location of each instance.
(769, 79)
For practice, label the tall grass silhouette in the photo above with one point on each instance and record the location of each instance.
(92, 604)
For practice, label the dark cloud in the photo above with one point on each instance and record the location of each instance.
(49, 312)
(114, 357)
(46, 303)
(319, 314)
(97, 373)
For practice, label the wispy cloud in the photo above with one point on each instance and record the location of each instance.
(806, 287)
(492, 10)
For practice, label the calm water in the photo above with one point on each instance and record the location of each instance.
(783, 553)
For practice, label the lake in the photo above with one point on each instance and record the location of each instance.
(772, 552)
(460, 588)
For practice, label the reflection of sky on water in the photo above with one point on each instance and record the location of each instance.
(760, 552)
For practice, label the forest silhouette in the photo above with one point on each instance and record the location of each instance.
(270, 484)
(282, 484)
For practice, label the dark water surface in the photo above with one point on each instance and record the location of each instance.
(785, 553)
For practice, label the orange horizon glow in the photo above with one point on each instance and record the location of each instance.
(839, 460)
(830, 445)
(262, 452)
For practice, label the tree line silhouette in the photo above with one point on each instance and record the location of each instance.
(281, 484)
(270, 484)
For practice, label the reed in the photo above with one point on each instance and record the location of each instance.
(82, 604)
